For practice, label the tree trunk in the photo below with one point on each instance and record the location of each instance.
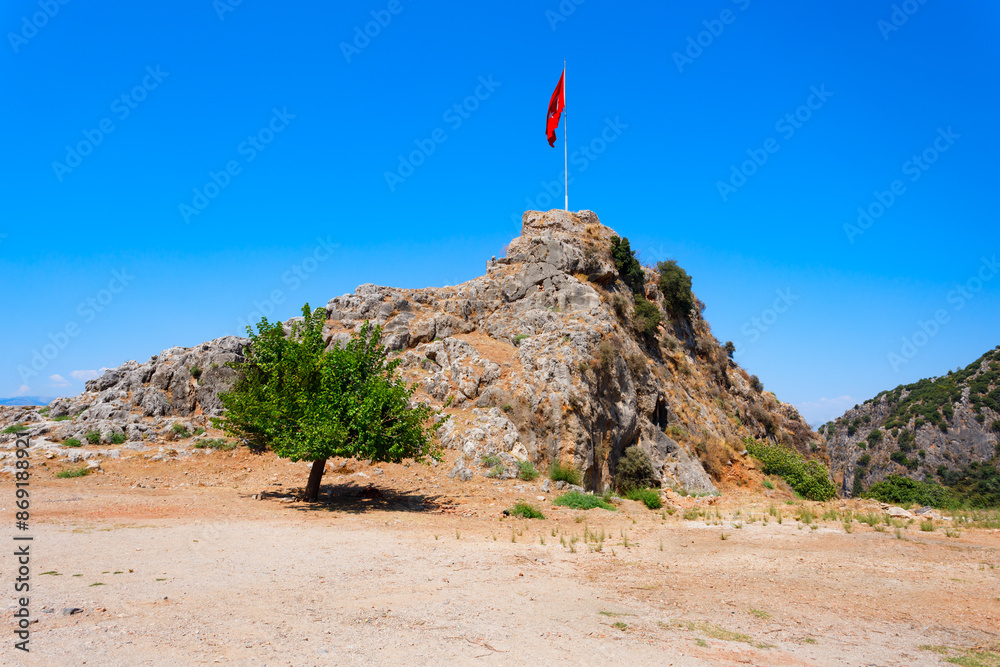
(315, 477)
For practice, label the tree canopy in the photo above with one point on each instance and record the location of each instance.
(306, 403)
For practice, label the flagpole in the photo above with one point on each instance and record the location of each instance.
(565, 139)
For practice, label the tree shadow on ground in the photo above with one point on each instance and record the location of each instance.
(358, 499)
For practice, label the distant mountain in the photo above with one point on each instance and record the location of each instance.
(26, 400)
(944, 430)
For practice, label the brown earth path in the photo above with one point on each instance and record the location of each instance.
(409, 567)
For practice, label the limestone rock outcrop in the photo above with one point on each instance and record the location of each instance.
(538, 359)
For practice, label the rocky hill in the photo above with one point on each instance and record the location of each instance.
(554, 354)
(939, 430)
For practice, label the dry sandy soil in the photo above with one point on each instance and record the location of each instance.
(203, 561)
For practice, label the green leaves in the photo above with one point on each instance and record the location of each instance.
(675, 284)
(810, 479)
(629, 268)
(304, 402)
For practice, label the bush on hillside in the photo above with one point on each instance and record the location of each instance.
(634, 471)
(629, 269)
(675, 284)
(647, 316)
(810, 479)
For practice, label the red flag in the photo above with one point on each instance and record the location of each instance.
(556, 106)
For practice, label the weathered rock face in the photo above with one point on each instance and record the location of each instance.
(951, 421)
(538, 359)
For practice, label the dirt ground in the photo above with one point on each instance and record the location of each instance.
(210, 560)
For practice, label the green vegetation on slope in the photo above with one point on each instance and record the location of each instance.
(810, 479)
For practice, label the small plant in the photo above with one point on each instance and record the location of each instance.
(927, 526)
(73, 472)
(62, 418)
(215, 443)
(526, 471)
(649, 497)
(647, 316)
(519, 337)
(16, 429)
(448, 400)
(525, 511)
(71, 442)
(94, 437)
(768, 484)
(199, 431)
(691, 513)
(723, 536)
(117, 438)
(560, 472)
(870, 518)
(507, 407)
(492, 461)
(676, 432)
(195, 372)
(621, 626)
(582, 501)
(180, 431)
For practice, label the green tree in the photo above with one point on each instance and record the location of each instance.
(629, 268)
(675, 283)
(306, 403)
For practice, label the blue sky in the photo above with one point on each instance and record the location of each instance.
(226, 159)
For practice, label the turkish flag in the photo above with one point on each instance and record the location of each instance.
(556, 106)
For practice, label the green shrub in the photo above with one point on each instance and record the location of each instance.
(647, 316)
(94, 437)
(519, 337)
(71, 442)
(996, 426)
(650, 497)
(73, 472)
(900, 490)
(16, 429)
(582, 501)
(216, 443)
(874, 437)
(629, 269)
(62, 418)
(181, 431)
(492, 461)
(117, 438)
(675, 284)
(195, 372)
(525, 511)
(507, 407)
(810, 479)
(526, 471)
(564, 473)
(864, 460)
(199, 431)
(634, 471)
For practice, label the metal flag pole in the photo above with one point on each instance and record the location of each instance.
(565, 139)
